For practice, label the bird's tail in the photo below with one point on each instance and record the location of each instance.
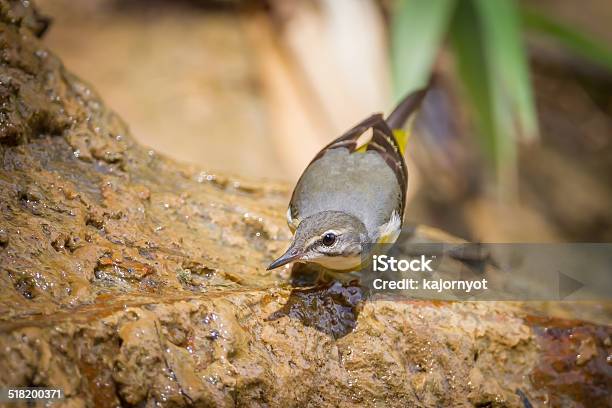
(403, 113)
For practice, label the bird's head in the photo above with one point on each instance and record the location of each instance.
(333, 239)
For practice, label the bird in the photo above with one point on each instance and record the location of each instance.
(352, 194)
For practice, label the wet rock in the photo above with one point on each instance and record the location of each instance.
(576, 366)
(332, 308)
(129, 279)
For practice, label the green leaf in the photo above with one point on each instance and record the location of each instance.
(573, 40)
(507, 61)
(478, 69)
(417, 30)
(470, 59)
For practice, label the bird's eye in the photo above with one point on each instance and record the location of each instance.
(329, 239)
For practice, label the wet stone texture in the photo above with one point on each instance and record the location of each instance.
(129, 279)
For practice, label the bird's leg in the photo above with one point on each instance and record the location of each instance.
(345, 278)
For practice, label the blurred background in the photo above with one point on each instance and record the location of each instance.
(514, 142)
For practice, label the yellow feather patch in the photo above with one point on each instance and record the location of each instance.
(401, 136)
(362, 149)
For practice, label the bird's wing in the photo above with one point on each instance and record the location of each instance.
(372, 134)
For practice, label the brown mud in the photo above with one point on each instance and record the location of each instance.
(129, 279)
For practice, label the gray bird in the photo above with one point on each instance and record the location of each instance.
(352, 194)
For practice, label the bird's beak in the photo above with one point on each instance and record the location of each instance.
(291, 255)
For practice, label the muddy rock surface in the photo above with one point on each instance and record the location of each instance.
(127, 279)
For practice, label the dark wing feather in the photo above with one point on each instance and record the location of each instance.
(383, 142)
(349, 138)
